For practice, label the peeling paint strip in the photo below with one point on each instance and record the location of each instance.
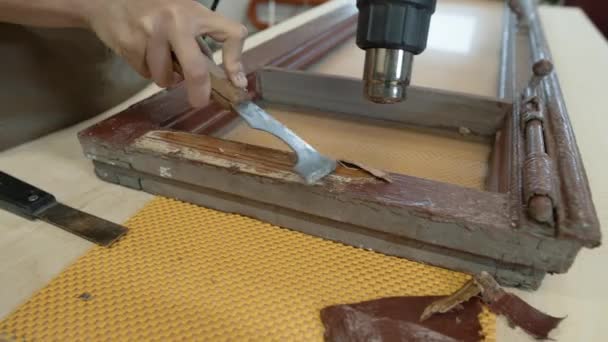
(453, 301)
(380, 174)
(516, 310)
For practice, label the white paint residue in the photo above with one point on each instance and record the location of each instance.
(165, 172)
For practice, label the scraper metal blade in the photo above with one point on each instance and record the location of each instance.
(311, 165)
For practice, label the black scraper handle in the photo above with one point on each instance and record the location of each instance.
(22, 198)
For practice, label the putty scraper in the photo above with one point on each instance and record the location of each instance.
(32, 203)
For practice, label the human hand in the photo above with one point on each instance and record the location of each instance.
(144, 32)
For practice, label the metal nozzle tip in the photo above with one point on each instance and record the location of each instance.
(387, 75)
(386, 93)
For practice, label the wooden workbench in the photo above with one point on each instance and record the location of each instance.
(462, 55)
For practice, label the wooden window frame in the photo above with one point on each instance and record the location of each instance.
(533, 218)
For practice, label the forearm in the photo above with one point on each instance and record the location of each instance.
(45, 13)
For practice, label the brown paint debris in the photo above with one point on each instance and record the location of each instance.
(396, 319)
(518, 312)
(449, 303)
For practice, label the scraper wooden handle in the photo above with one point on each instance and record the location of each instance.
(223, 91)
(222, 87)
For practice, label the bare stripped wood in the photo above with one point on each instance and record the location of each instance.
(424, 107)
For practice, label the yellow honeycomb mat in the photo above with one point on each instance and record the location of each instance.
(189, 273)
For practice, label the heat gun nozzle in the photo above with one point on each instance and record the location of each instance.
(387, 74)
